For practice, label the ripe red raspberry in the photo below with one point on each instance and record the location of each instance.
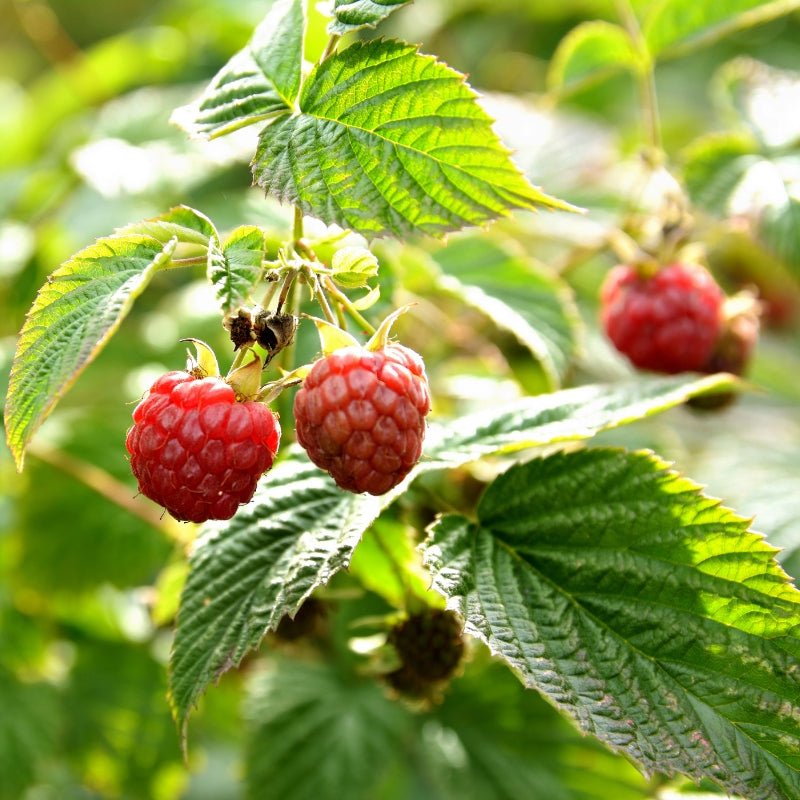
(360, 415)
(668, 322)
(198, 452)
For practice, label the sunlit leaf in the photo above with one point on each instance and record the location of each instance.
(715, 165)
(640, 607)
(74, 314)
(185, 224)
(238, 266)
(391, 142)
(259, 82)
(350, 15)
(677, 25)
(568, 415)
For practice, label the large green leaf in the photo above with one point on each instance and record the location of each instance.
(350, 15)
(318, 732)
(79, 308)
(518, 295)
(246, 574)
(391, 142)
(75, 313)
(640, 607)
(568, 415)
(671, 26)
(262, 80)
(518, 746)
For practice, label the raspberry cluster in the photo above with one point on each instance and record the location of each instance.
(195, 450)
(360, 415)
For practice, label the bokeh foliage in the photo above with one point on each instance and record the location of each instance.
(88, 582)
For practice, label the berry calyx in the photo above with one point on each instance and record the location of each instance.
(195, 450)
(360, 415)
(669, 321)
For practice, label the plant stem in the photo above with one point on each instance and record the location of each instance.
(319, 293)
(298, 224)
(287, 285)
(645, 75)
(344, 300)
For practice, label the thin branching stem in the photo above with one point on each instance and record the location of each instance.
(347, 304)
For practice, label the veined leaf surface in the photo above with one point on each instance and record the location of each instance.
(642, 608)
(245, 574)
(389, 142)
(351, 15)
(260, 81)
(74, 314)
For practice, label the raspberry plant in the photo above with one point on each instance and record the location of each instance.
(472, 557)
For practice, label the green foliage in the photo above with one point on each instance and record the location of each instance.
(447, 169)
(350, 15)
(632, 601)
(259, 82)
(627, 634)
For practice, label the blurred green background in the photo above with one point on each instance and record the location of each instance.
(89, 580)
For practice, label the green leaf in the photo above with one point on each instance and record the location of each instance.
(641, 608)
(780, 231)
(672, 27)
(518, 295)
(387, 562)
(351, 15)
(352, 267)
(317, 732)
(237, 266)
(715, 165)
(259, 82)
(591, 51)
(391, 142)
(73, 316)
(518, 746)
(568, 415)
(182, 223)
(299, 530)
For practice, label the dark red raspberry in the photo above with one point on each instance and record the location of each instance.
(360, 415)
(197, 451)
(668, 322)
